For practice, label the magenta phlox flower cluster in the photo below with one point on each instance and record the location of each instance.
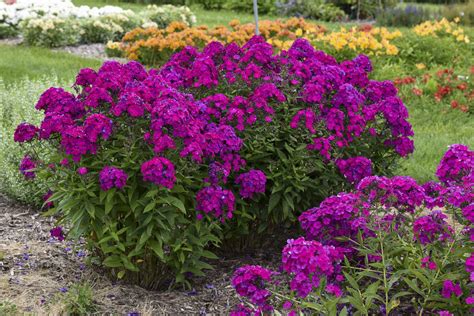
(25, 132)
(27, 165)
(111, 177)
(250, 282)
(355, 169)
(456, 166)
(251, 183)
(432, 228)
(218, 173)
(59, 101)
(433, 194)
(470, 266)
(215, 201)
(54, 123)
(400, 192)
(341, 96)
(450, 288)
(97, 125)
(308, 262)
(341, 215)
(159, 171)
(76, 143)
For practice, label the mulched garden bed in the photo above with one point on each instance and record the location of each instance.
(35, 268)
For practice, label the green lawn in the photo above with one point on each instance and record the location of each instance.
(17, 62)
(436, 127)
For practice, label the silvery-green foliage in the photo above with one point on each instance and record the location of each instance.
(17, 103)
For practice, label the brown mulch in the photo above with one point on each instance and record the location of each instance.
(34, 268)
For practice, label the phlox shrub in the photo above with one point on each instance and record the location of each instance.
(154, 167)
(385, 248)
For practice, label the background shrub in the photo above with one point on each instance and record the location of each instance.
(410, 15)
(264, 6)
(315, 9)
(51, 32)
(164, 15)
(414, 49)
(464, 11)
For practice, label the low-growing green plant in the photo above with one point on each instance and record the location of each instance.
(78, 299)
(8, 308)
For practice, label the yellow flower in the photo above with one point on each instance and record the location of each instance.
(299, 32)
(420, 66)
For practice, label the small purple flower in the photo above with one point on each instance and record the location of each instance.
(57, 232)
(82, 171)
(26, 167)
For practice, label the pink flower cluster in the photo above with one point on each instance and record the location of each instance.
(216, 201)
(309, 261)
(355, 169)
(339, 104)
(342, 215)
(111, 177)
(26, 167)
(250, 282)
(25, 132)
(251, 183)
(431, 228)
(159, 171)
(456, 166)
(400, 192)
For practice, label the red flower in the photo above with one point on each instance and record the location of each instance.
(417, 91)
(462, 86)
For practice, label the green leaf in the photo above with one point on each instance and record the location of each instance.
(273, 202)
(208, 254)
(121, 274)
(413, 286)
(157, 247)
(149, 207)
(109, 204)
(351, 281)
(171, 200)
(112, 262)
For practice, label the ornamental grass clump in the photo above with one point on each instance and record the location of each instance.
(156, 167)
(389, 247)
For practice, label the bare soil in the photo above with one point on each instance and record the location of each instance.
(34, 268)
